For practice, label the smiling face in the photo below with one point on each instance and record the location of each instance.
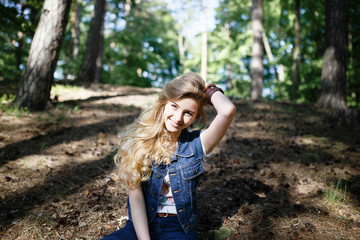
(179, 114)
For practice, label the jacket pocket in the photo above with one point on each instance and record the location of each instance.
(193, 170)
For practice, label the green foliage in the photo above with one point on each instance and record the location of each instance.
(58, 88)
(145, 52)
(7, 105)
(17, 26)
(129, 108)
(229, 49)
(353, 73)
(336, 193)
(141, 48)
(222, 233)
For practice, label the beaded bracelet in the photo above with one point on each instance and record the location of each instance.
(210, 90)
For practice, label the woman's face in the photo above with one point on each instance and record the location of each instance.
(179, 114)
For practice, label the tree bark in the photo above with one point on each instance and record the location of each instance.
(88, 66)
(256, 65)
(34, 91)
(333, 87)
(229, 79)
(75, 33)
(182, 45)
(72, 50)
(296, 54)
(204, 43)
(99, 59)
(272, 61)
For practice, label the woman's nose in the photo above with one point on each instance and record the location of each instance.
(178, 116)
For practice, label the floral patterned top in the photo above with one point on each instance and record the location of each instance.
(166, 201)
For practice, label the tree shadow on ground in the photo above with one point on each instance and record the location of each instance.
(55, 187)
(353, 186)
(251, 179)
(219, 200)
(299, 120)
(35, 144)
(102, 97)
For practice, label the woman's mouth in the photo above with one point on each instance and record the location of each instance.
(174, 124)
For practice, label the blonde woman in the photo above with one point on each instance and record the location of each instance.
(160, 160)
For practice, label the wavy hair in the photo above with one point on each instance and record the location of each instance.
(147, 140)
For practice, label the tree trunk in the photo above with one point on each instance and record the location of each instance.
(204, 43)
(333, 87)
(68, 60)
(272, 61)
(182, 45)
(127, 8)
(296, 54)
(88, 66)
(99, 59)
(229, 73)
(34, 91)
(75, 33)
(72, 50)
(256, 65)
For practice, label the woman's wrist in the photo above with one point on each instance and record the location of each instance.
(210, 90)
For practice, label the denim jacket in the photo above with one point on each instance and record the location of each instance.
(185, 167)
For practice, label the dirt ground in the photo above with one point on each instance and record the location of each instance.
(283, 171)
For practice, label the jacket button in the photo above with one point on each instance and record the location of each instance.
(154, 192)
(152, 209)
(158, 176)
(194, 171)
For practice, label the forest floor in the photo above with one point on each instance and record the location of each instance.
(283, 171)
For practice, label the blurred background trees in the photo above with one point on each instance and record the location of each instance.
(142, 43)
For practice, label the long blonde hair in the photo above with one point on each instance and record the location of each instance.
(147, 139)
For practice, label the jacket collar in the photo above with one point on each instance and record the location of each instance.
(184, 148)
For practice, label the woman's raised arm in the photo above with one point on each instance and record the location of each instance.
(225, 114)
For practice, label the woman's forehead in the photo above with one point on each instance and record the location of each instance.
(187, 103)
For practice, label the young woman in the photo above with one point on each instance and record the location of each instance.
(160, 160)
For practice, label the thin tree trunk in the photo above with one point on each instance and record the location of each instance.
(272, 61)
(182, 45)
(88, 66)
(72, 50)
(256, 65)
(229, 72)
(68, 60)
(127, 8)
(267, 48)
(34, 91)
(75, 34)
(333, 88)
(296, 54)
(204, 43)
(99, 59)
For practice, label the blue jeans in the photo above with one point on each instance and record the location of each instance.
(160, 228)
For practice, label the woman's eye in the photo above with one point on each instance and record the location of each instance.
(189, 113)
(173, 105)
